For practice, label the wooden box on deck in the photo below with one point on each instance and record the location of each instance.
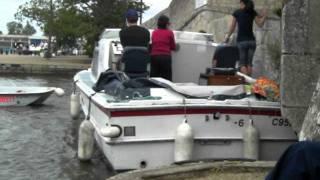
(225, 80)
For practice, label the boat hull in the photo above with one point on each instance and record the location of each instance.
(153, 154)
(23, 96)
(217, 132)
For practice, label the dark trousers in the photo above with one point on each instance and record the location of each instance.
(161, 66)
(246, 52)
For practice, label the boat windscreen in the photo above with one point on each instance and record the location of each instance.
(110, 34)
(193, 36)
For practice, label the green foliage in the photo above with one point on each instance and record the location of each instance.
(274, 49)
(68, 27)
(1, 32)
(278, 11)
(40, 11)
(14, 28)
(28, 29)
(17, 28)
(101, 14)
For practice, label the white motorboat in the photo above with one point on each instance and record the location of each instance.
(23, 96)
(141, 131)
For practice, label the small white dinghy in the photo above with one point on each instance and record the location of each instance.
(23, 96)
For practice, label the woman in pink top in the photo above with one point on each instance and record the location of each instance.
(162, 43)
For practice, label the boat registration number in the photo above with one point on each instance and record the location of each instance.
(281, 122)
(7, 99)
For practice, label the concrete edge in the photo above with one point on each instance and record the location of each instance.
(192, 168)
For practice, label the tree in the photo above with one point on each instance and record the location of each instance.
(101, 14)
(1, 32)
(18, 29)
(28, 29)
(14, 28)
(43, 12)
(69, 20)
(70, 25)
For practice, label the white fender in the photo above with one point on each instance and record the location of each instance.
(74, 106)
(183, 143)
(251, 140)
(85, 141)
(110, 131)
(59, 92)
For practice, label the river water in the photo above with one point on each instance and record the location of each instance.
(40, 142)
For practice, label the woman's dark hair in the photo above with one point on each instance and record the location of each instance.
(163, 21)
(249, 6)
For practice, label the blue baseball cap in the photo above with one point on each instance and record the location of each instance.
(132, 14)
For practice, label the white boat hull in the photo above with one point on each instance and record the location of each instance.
(152, 154)
(218, 128)
(23, 96)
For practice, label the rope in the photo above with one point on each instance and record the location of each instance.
(89, 106)
(74, 88)
(250, 110)
(185, 109)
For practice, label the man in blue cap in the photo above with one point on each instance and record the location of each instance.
(135, 41)
(134, 35)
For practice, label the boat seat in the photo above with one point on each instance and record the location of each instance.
(221, 71)
(135, 60)
(134, 75)
(224, 72)
(226, 56)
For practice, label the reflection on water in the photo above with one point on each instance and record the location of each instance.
(40, 142)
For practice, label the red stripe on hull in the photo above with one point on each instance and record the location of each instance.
(179, 111)
(162, 112)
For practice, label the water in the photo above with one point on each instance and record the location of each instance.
(41, 142)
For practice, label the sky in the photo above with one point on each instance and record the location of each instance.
(155, 7)
(9, 7)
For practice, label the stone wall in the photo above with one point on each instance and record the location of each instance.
(300, 46)
(40, 69)
(215, 18)
(300, 64)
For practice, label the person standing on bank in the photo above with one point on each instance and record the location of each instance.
(162, 43)
(246, 41)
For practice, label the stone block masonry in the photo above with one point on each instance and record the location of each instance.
(215, 17)
(300, 65)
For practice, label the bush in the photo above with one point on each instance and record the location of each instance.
(274, 49)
